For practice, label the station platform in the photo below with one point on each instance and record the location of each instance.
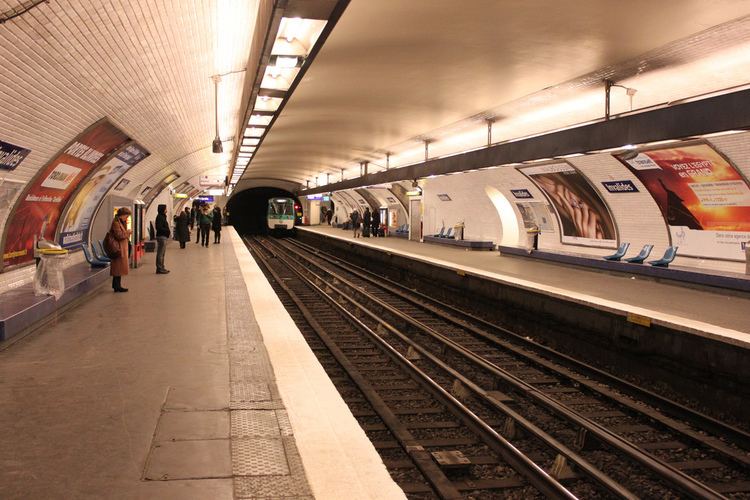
(711, 313)
(196, 384)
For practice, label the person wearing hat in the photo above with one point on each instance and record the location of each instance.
(162, 235)
(120, 232)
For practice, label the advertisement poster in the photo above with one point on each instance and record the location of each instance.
(8, 193)
(153, 193)
(702, 197)
(77, 220)
(39, 208)
(584, 217)
(535, 214)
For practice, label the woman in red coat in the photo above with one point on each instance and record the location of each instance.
(119, 230)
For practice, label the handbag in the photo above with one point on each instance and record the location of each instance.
(111, 246)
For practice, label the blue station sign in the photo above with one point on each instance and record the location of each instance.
(11, 155)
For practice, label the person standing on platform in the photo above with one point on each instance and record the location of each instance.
(355, 223)
(375, 223)
(183, 227)
(162, 235)
(120, 232)
(204, 223)
(198, 223)
(216, 225)
(366, 222)
(329, 216)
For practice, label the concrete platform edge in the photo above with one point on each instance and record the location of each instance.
(339, 460)
(705, 330)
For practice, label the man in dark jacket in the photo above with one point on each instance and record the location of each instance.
(162, 235)
(375, 223)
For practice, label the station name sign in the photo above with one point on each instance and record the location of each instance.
(620, 186)
(521, 194)
(11, 156)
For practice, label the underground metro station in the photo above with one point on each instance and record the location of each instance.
(351, 249)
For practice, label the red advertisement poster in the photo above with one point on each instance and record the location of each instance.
(38, 209)
(702, 197)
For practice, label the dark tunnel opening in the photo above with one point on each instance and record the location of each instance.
(248, 209)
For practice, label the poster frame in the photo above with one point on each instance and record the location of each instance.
(677, 144)
(614, 243)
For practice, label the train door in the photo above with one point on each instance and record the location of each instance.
(415, 219)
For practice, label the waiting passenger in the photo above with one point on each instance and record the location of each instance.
(120, 232)
(183, 228)
(216, 225)
(205, 220)
(366, 222)
(375, 223)
(162, 235)
(355, 223)
(329, 216)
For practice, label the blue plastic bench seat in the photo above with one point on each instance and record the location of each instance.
(642, 255)
(91, 260)
(619, 254)
(668, 257)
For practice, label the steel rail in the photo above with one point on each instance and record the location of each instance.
(422, 459)
(668, 406)
(662, 469)
(536, 476)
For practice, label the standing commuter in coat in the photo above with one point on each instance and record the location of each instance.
(204, 222)
(162, 236)
(183, 227)
(375, 223)
(216, 224)
(119, 231)
(366, 222)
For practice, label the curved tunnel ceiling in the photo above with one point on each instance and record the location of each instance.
(392, 71)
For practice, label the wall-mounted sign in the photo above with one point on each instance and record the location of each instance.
(11, 156)
(625, 186)
(122, 184)
(39, 208)
(210, 180)
(444, 197)
(521, 194)
(314, 196)
(205, 199)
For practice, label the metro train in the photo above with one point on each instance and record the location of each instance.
(282, 214)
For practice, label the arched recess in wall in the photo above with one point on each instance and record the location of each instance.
(508, 219)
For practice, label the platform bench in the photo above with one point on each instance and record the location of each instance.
(20, 309)
(467, 244)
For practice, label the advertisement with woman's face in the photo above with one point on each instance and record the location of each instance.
(584, 217)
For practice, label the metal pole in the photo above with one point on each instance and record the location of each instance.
(607, 88)
(387, 161)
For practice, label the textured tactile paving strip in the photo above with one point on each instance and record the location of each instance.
(265, 460)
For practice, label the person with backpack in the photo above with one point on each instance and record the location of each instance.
(204, 222)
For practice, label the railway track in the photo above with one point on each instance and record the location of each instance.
(592, 433)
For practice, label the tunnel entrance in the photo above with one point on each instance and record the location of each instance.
(248, 209)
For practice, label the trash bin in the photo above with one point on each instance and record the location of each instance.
(532, 238)
(458, 231)
(49, 279)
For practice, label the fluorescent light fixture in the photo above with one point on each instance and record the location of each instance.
(726, 132)
(286, 62)
(180, 196)
(259, 120)
(265, 103)
(278, 78)
(297, 36)
(250, 141)
(254, 131)
(244, 155)
(247, 149)
(417, 191)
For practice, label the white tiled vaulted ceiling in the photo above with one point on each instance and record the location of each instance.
(144, 64)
